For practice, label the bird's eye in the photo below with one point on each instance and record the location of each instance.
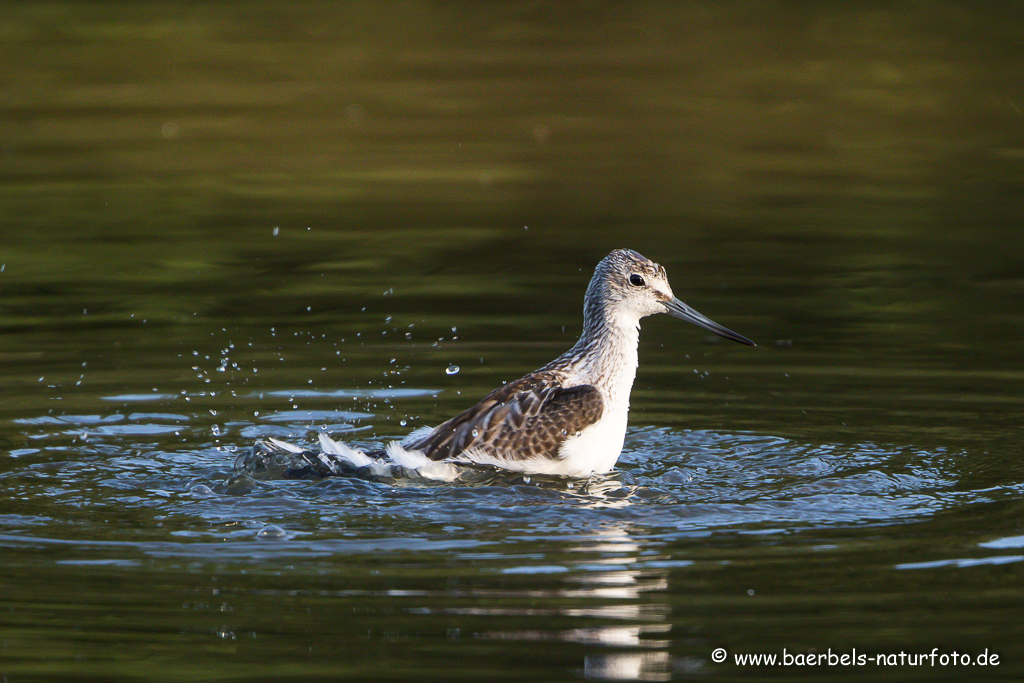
(636, 280)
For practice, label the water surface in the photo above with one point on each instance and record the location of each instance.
(223, 223)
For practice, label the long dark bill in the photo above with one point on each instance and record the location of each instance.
(677, 309)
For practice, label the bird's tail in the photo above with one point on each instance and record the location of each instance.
(270, 458)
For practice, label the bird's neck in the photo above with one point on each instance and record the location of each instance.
(606, 353)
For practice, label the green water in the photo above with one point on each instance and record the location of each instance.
(220, 222)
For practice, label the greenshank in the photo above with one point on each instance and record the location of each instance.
(567, 418)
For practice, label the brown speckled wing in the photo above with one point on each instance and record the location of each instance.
(530, 417)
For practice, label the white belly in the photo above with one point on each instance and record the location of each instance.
(596, 449)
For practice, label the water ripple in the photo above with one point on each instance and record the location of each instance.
(673, 483)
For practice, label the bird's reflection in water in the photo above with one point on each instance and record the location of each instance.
(607, 582)
(630, 666)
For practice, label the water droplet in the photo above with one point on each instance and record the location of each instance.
(569, 485)
(201, 491)
(475, 433)
(276, 230)
(452, 370)
(271, 532)
(403, 422)
(526, 479)
(215, 429)
(578, 433)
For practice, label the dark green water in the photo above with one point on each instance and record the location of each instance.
(220, 222)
